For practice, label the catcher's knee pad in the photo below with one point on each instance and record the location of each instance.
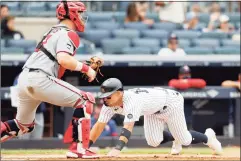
(13, 128)
(81, 131)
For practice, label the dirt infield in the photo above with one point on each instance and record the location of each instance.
(124, 157)
(232, 153)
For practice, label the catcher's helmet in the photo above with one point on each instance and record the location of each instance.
(74, 11)
(109, 86)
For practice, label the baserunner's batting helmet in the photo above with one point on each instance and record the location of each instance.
(109, 86)
(74, 11)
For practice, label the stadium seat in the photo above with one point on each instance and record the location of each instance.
(227, 50)
(52, 6)
(182, 43)
(2, 43)
(165, 26)
(12, 50)
(153, 15)
(159, 34)
(136, 25)
(155, 50)
(21, 43)
(198, 51)
(123, 5)
(234, 17)
(214, 34)
(106, 25)
(237, 25)
(114, 46)
(119, 16)
(96, 35)
(146, 42)
(12, 5)
(230, 43)
(185, 34)
(204, 17)
(209, 43)
(100, 16)
(36, 6)
(29, 50)
(109, 5)
(136, 50)
(126, 33)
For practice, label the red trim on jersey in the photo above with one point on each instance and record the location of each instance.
(64, 52)
(66, 87)
(74, 37)
(77, 102)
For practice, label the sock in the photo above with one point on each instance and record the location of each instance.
(167, 136)
(78, 113)
(198, 137)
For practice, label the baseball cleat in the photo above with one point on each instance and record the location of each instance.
(213, 142)
(73, 153)
(176, 148)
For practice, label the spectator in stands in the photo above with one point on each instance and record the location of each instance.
(224, 25)
(110, 128)
(39, 120)
(196, 8)
(172, 48)
(170, 11)
(234, 84)
(4, 11)
(136, 12)
(8, 29)
(191, 21)
(143, 8)
(214, 16)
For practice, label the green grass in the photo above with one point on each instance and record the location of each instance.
(104, 151)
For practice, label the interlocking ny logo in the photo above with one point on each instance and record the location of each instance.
(212, 93)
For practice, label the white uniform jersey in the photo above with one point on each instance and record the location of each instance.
(136, 102)
(60, 39)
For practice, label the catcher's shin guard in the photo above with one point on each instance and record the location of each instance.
(13, 128)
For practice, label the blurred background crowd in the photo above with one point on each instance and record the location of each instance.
(133, 28)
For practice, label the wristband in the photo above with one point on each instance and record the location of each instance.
(85, 68)
(120, 145)
(79, 66)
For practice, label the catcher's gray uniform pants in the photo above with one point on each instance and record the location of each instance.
(36, 86)
(173, 116)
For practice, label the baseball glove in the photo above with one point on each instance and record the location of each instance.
(95, 63)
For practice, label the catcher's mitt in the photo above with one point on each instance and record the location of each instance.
(95, 63)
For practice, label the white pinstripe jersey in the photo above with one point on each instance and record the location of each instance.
(136, 102)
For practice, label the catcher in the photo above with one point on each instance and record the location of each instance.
(40, 80)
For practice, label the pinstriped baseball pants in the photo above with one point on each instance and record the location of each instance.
(173, 116)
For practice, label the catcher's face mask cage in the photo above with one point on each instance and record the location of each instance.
(83, 17)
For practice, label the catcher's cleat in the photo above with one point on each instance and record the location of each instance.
(85, 153)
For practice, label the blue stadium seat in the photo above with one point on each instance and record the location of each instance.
(136, 50)
(109, 5)
(230, 43)
(214, 34)
(198, 51)
(227, 50)
(153, 15)
(36, 6)
(206, 43)
(146, 42)
(12, 50)
(123, 5)
(29, 50)
(114, 46)
(52, 6)
(106, 25)
(204, 17)
(126, 33)
(155, 50)
(182, 43)
(12, 5)
(159, 34)
(237, 25)
(136, 25)
(2, 43)
(21, 43)
(119, 17)
(100, 16)
(234, 17)
(165, 26)
(96, 35)
(185, 34)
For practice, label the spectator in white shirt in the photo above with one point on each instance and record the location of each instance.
(172, 48)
